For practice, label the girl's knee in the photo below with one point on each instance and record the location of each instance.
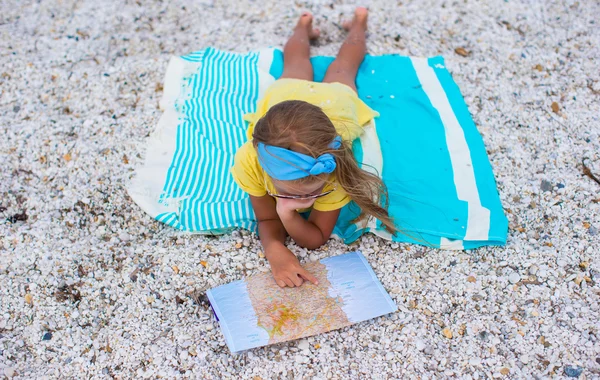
(342, 65)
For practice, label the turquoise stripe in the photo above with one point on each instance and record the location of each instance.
(226, 213)
(239, 212)
(221, 215)
(276, 68)
(226, 97)
(219, 179)
(211, 94)
(206, 219)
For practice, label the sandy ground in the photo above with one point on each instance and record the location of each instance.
(79, 89)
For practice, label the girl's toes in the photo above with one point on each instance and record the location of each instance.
(361, 12)
(314, 34)
(360, 15)
(360, 18)
(305, 19)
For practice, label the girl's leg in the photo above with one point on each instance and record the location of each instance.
(296, 53)
(343, 69)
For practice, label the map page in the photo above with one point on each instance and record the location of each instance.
(256, 312)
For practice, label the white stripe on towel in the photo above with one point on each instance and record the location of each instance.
(478, 224)
(146, 188)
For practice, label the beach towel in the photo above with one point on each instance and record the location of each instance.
(425, 146)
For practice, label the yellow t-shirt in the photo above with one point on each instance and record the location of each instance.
(339, 102)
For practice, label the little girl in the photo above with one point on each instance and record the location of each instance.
(299, 156)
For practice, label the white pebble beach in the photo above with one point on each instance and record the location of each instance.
(92, 287)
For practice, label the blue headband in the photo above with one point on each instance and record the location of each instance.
(286, 165)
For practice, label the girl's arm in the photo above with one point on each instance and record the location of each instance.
(311, 233)
(270, 230)
(286, 268)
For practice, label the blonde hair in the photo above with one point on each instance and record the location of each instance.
(302, 127)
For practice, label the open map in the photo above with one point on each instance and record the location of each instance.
(256, 312)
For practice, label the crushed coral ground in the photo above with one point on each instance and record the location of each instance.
(90, 286)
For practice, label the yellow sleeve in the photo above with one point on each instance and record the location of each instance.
(252, 118)
(333, 201)
(246, 171)
(364, 112)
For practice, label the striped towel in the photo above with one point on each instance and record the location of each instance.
(425, 147)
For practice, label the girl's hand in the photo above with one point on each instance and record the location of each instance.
(286, 268)
(287, 206)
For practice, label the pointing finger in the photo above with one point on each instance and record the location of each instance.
(307, 275)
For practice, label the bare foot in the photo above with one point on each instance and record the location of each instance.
(305, 22)
(360, 18)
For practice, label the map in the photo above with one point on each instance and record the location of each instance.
(256, 312)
